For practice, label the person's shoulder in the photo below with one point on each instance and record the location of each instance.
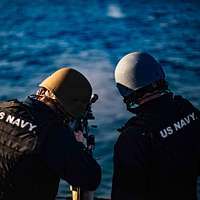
(132, 131)
(184, 104)
(9, 103)
(179, 98)
(134, 123)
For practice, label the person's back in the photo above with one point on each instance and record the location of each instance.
(157, 153)
(37, 145)
(22, 169)
(176, 148)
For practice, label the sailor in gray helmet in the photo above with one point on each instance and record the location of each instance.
(157, 153)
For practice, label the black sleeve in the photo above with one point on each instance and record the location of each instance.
(70, 161)
(129, 167)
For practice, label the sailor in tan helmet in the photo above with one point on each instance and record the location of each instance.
(71, 89)
(40, 147)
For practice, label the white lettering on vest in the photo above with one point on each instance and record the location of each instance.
(185, 121)
(32, 127)
(17, 121)
(10, 119)
(2, 115)
(24, 124)
(166, 131)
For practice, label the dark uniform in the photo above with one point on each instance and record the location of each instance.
(158, 152)
(36, 150)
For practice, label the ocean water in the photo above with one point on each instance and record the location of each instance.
(38, 37)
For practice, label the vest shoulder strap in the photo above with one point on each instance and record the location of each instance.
(10, 103)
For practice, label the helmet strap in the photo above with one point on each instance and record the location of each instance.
(143, 95)
(50, 100)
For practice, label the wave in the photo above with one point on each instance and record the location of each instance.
(115, 11)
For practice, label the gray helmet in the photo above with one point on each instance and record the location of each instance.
(135, 71)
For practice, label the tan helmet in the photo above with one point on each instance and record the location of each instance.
(71, 88)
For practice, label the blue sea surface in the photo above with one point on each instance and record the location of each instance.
(38, 37)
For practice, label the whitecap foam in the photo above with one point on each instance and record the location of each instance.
(115, 11)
